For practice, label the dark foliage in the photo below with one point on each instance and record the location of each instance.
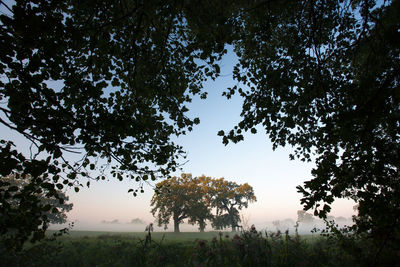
(102, 80)
(323, 77)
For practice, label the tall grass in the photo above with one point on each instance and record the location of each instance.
(248, 248)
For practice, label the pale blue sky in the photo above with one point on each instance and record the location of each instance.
(273, 176)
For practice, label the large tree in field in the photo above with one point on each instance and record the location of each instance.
(200, 209)
(228, 198)
(323, 76)
(194, 198)
(180, 198)
(100, 83)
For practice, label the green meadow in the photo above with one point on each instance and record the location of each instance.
(158, 236)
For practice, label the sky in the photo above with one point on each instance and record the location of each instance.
(271, 174)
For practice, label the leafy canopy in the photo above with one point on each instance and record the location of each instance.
(323, 77)
(99, 86)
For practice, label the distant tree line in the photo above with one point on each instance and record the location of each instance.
(116, 221)
(200, 199)
(305, 217)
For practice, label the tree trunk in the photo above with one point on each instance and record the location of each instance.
(233, 222)
(202, 225)
(176, 226)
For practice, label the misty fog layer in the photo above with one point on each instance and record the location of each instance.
(268, 226)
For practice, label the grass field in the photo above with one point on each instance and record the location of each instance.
(158, 236)
(96, 248)
(165, 236)
(169, 236)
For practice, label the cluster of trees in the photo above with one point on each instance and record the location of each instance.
(50, 209)
(116, 221)
(199, 199)
(305, 217)
(137, 221)
(283, 224)
(110, 80)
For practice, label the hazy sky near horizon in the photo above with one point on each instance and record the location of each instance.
(272, 175)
